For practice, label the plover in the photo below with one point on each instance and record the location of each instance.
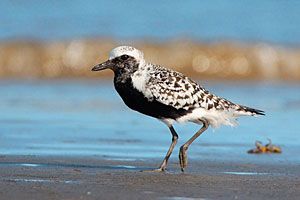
(169, 96)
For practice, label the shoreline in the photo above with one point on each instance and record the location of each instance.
(227, 60)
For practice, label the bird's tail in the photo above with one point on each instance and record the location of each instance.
(244, 110)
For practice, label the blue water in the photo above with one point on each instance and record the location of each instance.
(209, 20)
(88, 118)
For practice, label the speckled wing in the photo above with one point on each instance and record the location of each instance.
(174, 89)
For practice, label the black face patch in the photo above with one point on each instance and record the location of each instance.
(124, 66)
(124, 61)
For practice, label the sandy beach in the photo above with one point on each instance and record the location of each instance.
(37, 177)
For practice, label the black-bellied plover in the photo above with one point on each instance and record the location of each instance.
(169, 96)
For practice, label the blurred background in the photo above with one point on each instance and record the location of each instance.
(208, 39)
(51, 103)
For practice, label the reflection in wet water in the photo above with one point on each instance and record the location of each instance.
(246, 173)
(29, 164)
(182, 198)
(89, 118)
(75, 166)
(25, 180)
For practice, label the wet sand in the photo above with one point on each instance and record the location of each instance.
(48, 177)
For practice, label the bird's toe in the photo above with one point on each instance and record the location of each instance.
(155, 170)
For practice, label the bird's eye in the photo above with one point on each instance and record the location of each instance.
(124, 57)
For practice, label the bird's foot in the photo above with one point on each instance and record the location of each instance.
(162, 167)
(183, 157)
(155, 170)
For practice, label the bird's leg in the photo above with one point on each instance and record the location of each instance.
(184, 148)
(164, 163)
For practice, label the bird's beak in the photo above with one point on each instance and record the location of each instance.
(106, 65)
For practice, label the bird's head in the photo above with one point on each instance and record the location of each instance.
(122, 58)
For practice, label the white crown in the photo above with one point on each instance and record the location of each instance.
(128, 50)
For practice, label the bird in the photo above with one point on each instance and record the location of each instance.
(170, 97)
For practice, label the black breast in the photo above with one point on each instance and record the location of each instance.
(138, 102)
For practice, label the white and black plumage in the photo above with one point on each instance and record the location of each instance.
(169, 96)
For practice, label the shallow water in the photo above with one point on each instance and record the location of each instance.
(269, 21)
(84, 118)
